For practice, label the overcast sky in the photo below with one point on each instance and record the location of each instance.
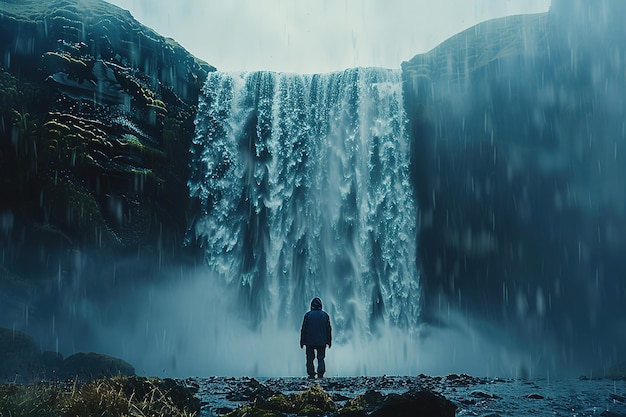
(312, 36)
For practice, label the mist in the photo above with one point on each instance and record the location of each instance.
(190, 323)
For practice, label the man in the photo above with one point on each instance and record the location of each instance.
(316, 334)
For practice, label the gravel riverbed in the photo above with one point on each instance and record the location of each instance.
(472, 395)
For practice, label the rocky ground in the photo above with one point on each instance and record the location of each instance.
(471, 396)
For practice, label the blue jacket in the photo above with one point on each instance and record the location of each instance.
(316, 330)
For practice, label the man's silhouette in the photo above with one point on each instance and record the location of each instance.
(316, 334)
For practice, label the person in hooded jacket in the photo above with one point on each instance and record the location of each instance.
(316, 334)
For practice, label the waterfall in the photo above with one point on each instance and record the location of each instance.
(302, 187)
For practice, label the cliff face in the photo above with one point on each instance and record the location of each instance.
(96, 118)
(518, 154)
(518, 151)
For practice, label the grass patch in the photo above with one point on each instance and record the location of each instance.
(112, 397)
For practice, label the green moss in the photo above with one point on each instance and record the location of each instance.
(136, 144)
(310, 410)
(314, 397)
(311, 402)
(63, 61)
(19, 95)
(71, 205)
(281, 403)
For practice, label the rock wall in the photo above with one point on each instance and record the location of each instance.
(518, 154)
(96, 119)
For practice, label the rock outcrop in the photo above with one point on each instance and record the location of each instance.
(94, 365)
(314, 401)
(518, 144)
(96, 118)
(19, 355)
(21, 360)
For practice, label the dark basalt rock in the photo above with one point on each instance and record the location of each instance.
(250, 391)
(314, 401)
(22, 361)
(87, 366)
(19, 355)
(420, 403)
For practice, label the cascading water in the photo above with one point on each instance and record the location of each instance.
(302, 183)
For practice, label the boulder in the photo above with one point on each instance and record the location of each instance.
(414, 404)
(91, 365)
(19, 356)
(51, 362)
(314, 401)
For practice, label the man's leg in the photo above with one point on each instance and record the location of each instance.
(321, 365)
(310, 355)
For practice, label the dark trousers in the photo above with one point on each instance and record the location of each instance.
(310, 356)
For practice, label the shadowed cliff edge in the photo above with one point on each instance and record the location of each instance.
(518, 137)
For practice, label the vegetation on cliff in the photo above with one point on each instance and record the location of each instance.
(96, 118)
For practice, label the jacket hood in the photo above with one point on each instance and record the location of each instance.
(316, 304)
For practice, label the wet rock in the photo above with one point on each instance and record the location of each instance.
(461, 380)
(222, 410)
(19, 356)
(416, 404)
(408, 404)
(51, 363)
(617, 398)
(363, 404)
(311, 402)
(314, 401)
(607, 413)
(91, 365)
(251, 390)
(483, 395)
(337, 397)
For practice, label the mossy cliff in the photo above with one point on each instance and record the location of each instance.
(518, 147)
(96, 117)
